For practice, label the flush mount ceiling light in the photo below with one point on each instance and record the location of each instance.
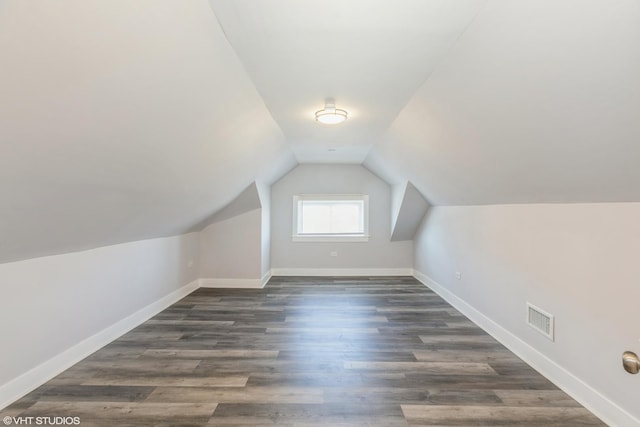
(330, 115)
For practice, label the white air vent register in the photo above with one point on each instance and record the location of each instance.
(540, 320)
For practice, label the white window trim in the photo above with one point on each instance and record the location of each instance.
(364, 237)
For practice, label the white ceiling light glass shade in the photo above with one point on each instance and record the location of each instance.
(330, 115)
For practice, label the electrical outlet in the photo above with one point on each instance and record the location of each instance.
(190, 264)
(458, 275)
(333, 253)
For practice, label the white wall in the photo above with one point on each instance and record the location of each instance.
(53, 303)
(397, 196)
(264, 192)
(576, 261)
(232, 249)
(378, 253)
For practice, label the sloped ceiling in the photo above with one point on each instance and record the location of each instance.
(125, 120)
(369, 55)
(538, 101)
(122, 121)
(248, 200)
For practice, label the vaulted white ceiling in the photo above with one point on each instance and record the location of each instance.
(122, 121)
(370, 55)
(538, 101)
(126, 120)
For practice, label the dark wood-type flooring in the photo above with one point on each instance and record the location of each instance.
(306, 352)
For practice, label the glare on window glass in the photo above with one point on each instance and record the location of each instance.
(331, 217)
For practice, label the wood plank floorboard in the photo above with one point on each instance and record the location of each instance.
(306, 351)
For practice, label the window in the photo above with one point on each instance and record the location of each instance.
(331, 217)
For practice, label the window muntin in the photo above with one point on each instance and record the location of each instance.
(331, 217)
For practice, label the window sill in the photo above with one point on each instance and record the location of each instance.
(330, 238)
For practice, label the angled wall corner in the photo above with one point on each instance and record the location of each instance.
(408, 207)
(235, 241)
(264, 194)
(397, 197)
(247, 200)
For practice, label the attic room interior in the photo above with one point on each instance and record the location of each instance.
(336, 213)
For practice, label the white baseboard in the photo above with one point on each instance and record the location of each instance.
(601, 406)
(342, 271)
(32, 379)
(590, 398)
(265, 278)
(231, 283)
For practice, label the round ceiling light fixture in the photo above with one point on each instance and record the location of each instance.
(330, 115)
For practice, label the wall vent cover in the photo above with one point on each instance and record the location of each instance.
(540, 320)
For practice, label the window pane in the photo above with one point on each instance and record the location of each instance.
(346, 218)
(316, 218)
(330, 217)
